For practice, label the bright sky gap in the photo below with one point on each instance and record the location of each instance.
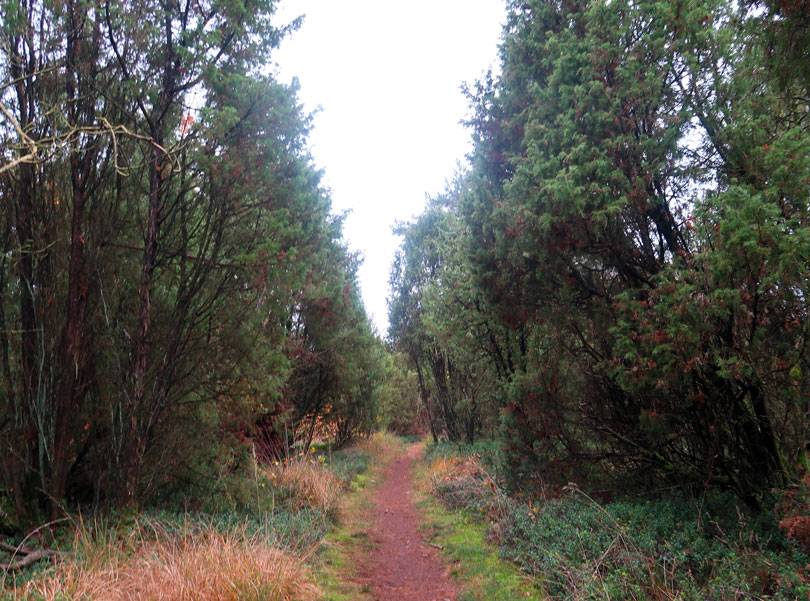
(386, 80)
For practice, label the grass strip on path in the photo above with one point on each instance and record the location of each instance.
(347, 546)
(477, 565)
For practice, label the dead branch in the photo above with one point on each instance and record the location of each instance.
(31, 558)
(15, 549)
(37, 147)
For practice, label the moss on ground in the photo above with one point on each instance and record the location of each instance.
(347, 545)
(476, 564)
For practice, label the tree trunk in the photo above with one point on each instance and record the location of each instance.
(80, 76)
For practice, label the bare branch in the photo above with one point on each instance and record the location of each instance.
(31, 559)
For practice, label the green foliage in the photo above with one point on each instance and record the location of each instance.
(620, 275)
(400, 409)
(169, 274)
(695, 549)
(443, 324)
(338, 361)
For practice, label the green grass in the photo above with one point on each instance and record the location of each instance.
(339, 558)
(673, 546)
(484, 575)
(347, 463)
(345, 548)
(291, 529)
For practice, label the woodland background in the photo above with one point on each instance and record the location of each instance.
(175, 294)
(618, 281)
(615, 286)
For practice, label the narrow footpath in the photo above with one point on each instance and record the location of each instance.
(403, 567)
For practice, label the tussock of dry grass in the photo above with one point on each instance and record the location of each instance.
(206, 566)
(382, 446)
(462, 481)
(449, 469)
(310, 484)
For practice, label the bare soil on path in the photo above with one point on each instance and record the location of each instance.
(402, 567)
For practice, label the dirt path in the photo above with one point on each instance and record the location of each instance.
(402, 567)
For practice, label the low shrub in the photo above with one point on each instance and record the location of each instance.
(793, 511)
(461, 482)
(488, 453)
(673, 547)
(670, 548)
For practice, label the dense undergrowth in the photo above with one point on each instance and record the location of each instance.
(706, 547)
(252, 538)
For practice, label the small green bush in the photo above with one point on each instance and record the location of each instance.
(347, 463)
(673, 547)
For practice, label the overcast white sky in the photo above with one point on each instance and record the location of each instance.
(387, 75)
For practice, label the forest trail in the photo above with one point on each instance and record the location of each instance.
(402, 567)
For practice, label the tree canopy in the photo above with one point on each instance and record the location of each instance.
(624, 260)
(170, 268)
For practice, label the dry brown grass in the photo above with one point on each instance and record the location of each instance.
(448, 469)
(461, 481)
(312, 484)
(382, 446)
(309, 483)
(199, 566)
